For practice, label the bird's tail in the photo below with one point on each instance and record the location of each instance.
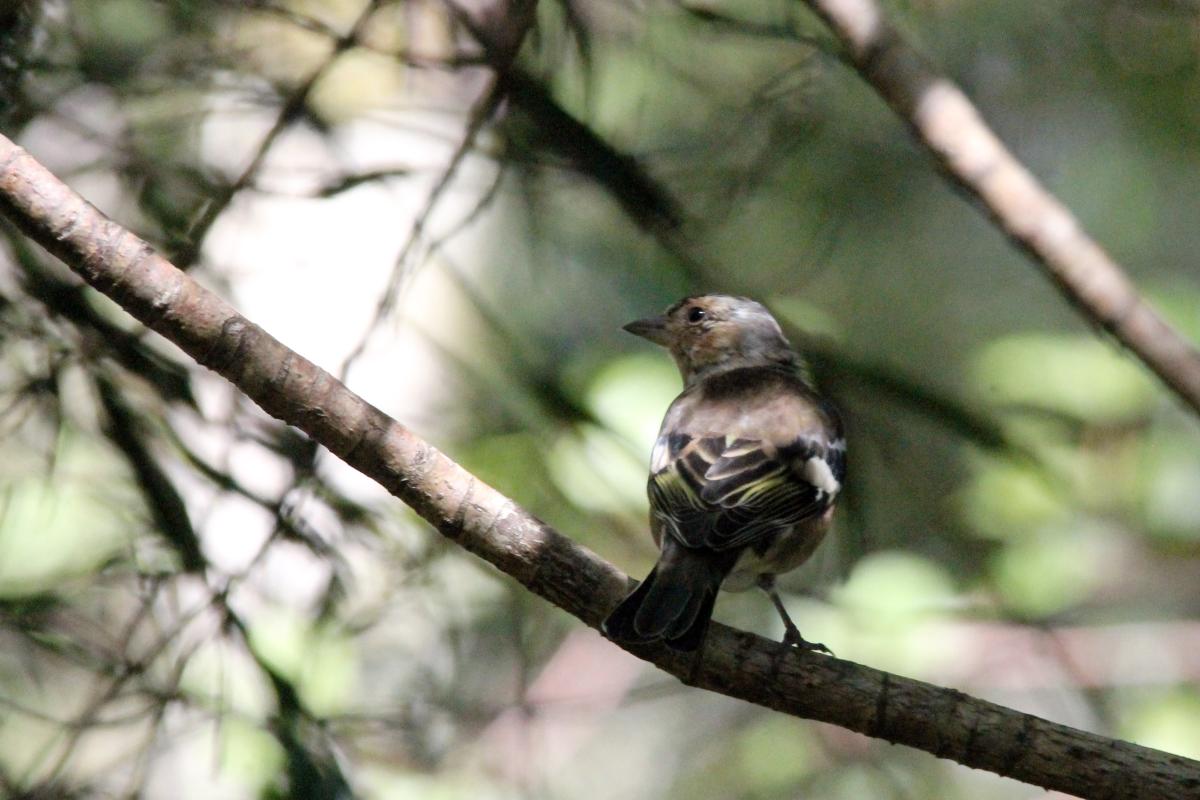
(675, 601)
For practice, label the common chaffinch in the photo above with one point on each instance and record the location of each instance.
(744, 474)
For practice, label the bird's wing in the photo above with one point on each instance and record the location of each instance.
(723, 492)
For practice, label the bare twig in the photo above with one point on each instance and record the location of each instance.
(945, 121)
(402, 266)
(292, 109)
(945, 722)
(500, 33)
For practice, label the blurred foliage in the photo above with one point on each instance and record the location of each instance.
(196, 602)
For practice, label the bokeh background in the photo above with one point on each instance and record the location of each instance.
(197, 603)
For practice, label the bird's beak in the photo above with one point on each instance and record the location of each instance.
(652, 328)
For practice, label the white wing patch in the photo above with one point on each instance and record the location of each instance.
(658, 454)
(817, 472)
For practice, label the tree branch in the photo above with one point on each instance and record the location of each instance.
(944, 120)
(941, 721)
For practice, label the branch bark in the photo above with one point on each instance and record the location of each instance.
(941, 721)
(945, 121)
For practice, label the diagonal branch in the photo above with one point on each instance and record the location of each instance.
(945, 121)
(941, 721)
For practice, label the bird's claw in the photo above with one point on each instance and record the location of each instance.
(793, 639)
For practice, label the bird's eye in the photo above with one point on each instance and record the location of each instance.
(695, 314)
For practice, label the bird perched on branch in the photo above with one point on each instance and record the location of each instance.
(744, 475)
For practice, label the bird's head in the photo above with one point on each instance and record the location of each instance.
(709, 334)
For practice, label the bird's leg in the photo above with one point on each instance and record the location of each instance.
(792, 636)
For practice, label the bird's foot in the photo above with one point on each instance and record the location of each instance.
(792, 638)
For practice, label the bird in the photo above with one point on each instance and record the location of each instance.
(744, 474)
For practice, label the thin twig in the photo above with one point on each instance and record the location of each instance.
(291, 110)
(481, 113)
